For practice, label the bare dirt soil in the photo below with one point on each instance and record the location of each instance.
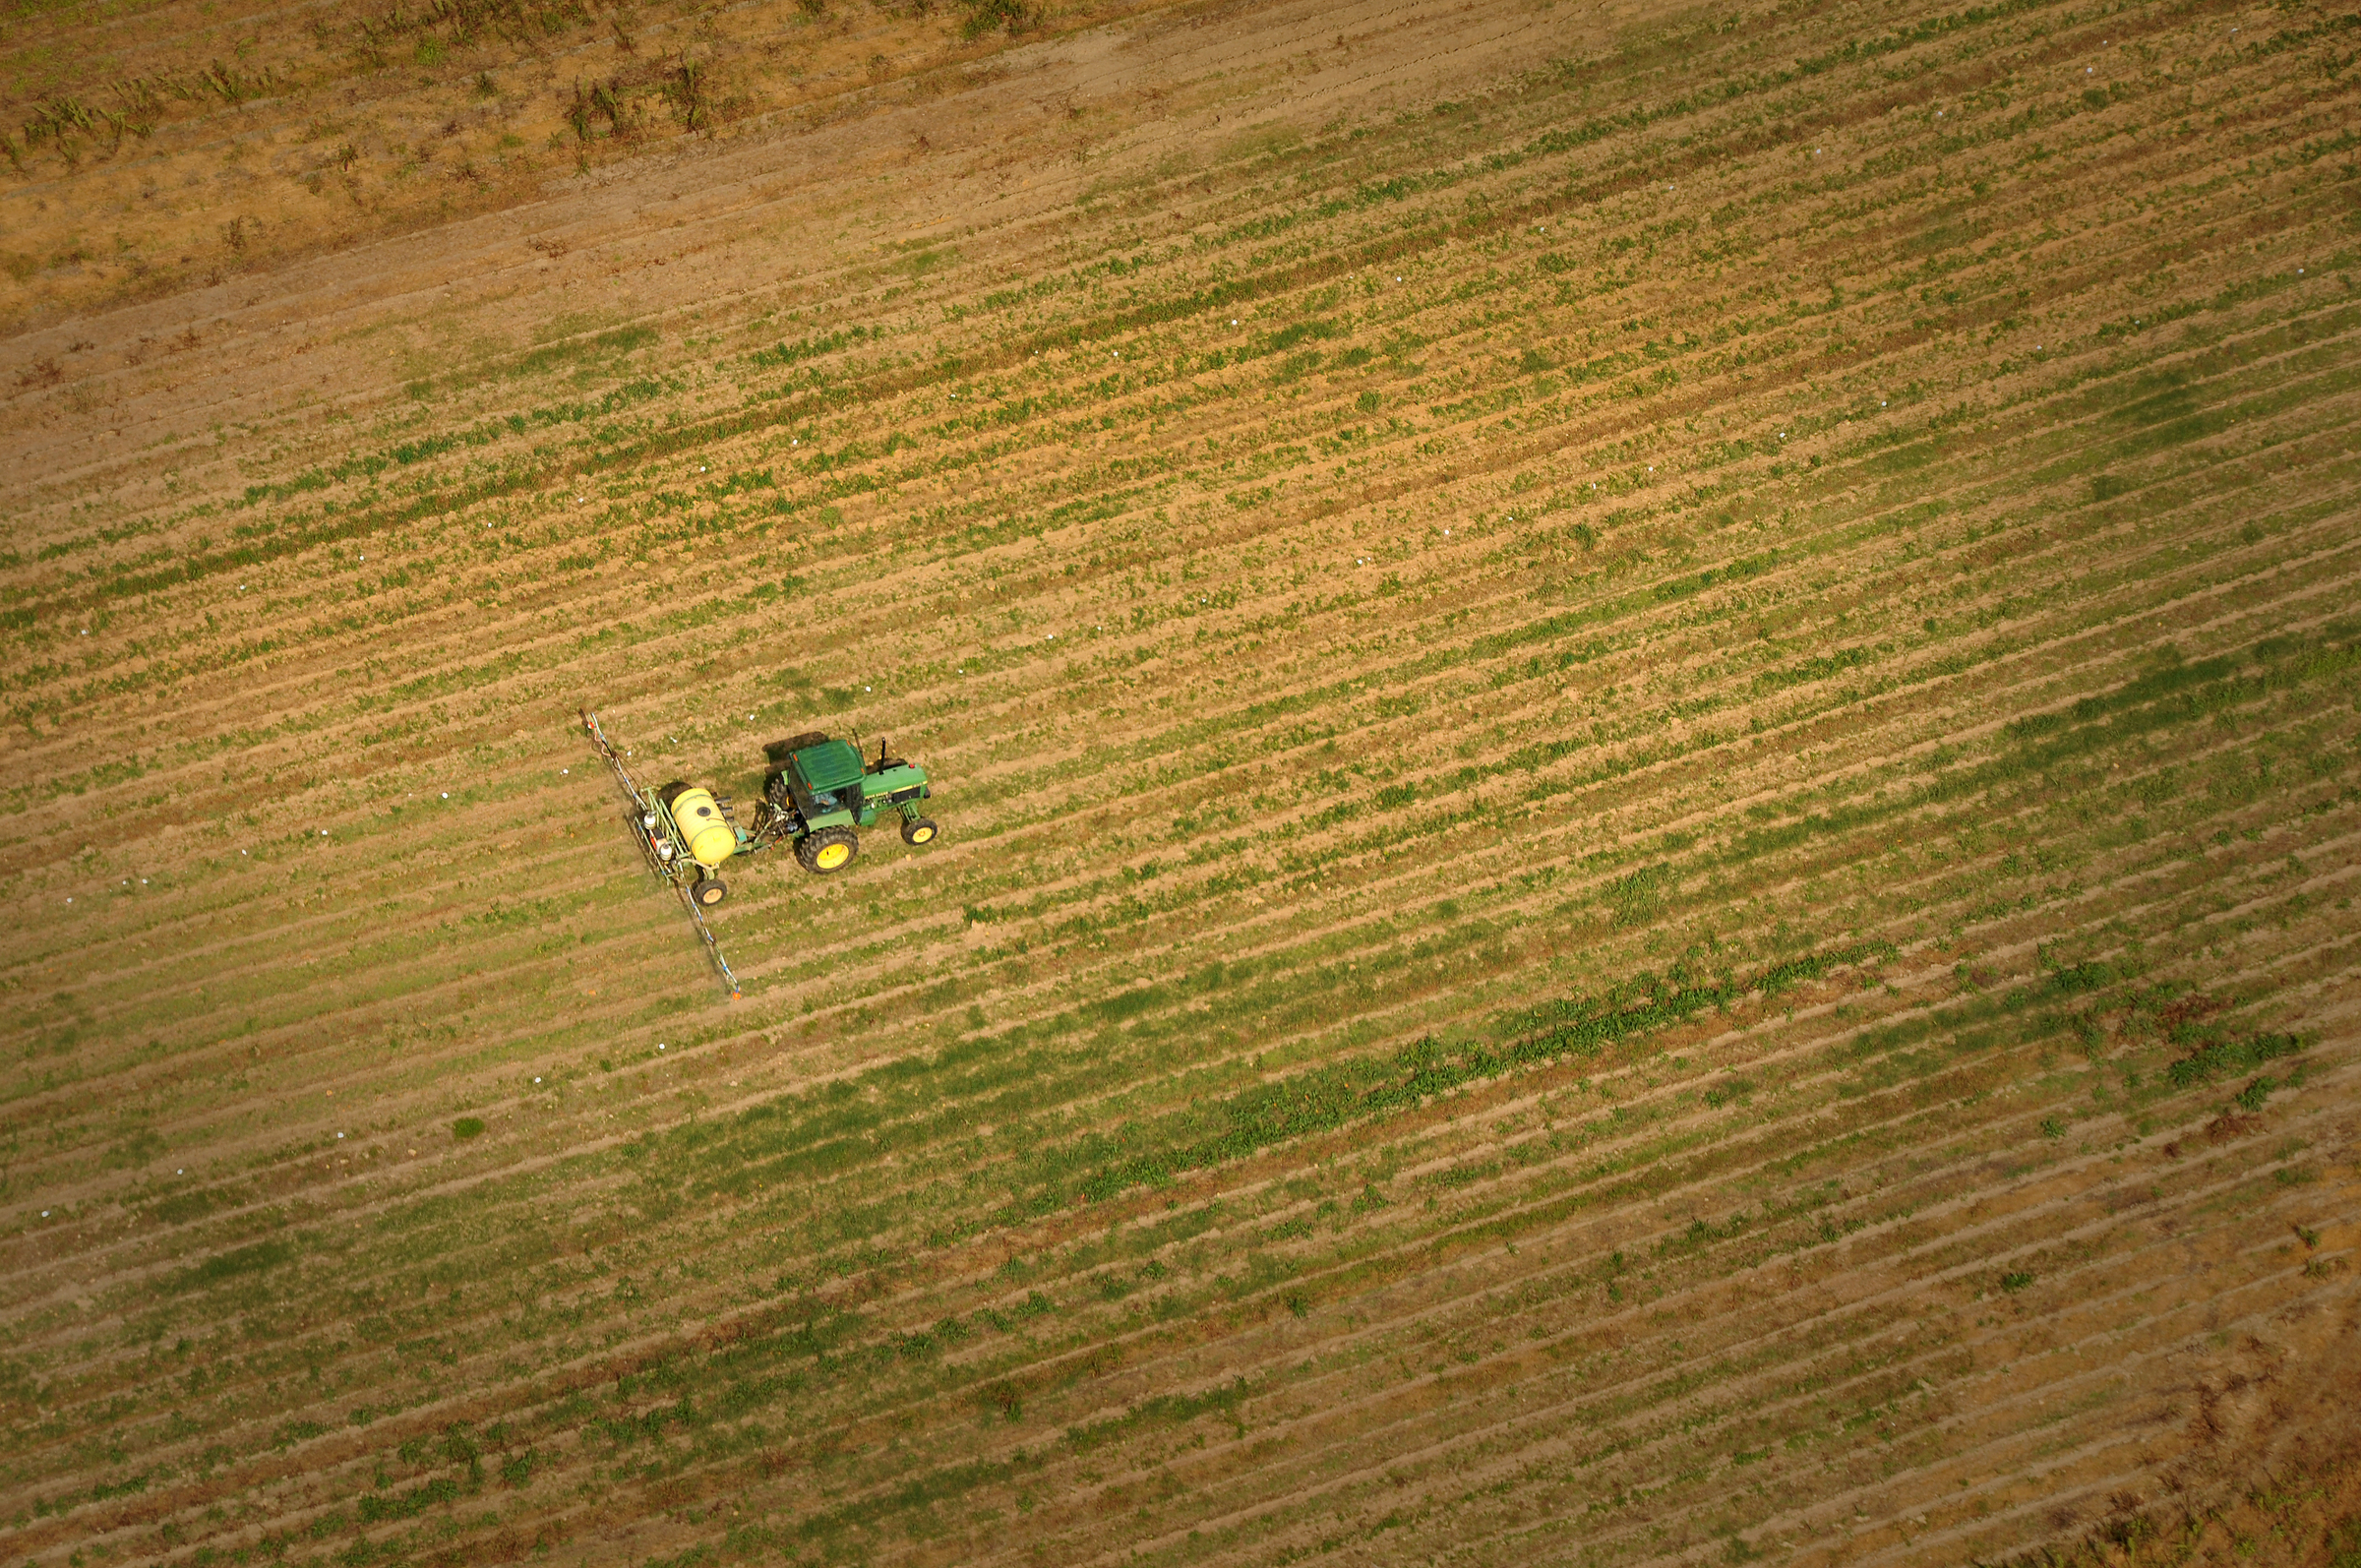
(1648, 726)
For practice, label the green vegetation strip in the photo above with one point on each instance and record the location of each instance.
(1253, 1120)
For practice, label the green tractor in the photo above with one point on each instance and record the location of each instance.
(820, 792)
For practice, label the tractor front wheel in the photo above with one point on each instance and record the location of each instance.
(708, 892)
(832, 849)
(918, 830)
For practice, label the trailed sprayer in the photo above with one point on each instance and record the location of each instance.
(819, 793)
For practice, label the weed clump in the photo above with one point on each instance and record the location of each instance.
(985, 14)
(2228, 1057)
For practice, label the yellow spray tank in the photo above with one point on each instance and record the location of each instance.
(704, 832)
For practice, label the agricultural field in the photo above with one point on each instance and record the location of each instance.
(1647, 720)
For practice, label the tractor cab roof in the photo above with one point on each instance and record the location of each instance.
(828, 767)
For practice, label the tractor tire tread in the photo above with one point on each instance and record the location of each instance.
(811, 846)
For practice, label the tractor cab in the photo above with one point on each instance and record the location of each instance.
(823, 782)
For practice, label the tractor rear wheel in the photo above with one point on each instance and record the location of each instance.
(780, 751)
(918, 830)
(708, 892)
(832, 849)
